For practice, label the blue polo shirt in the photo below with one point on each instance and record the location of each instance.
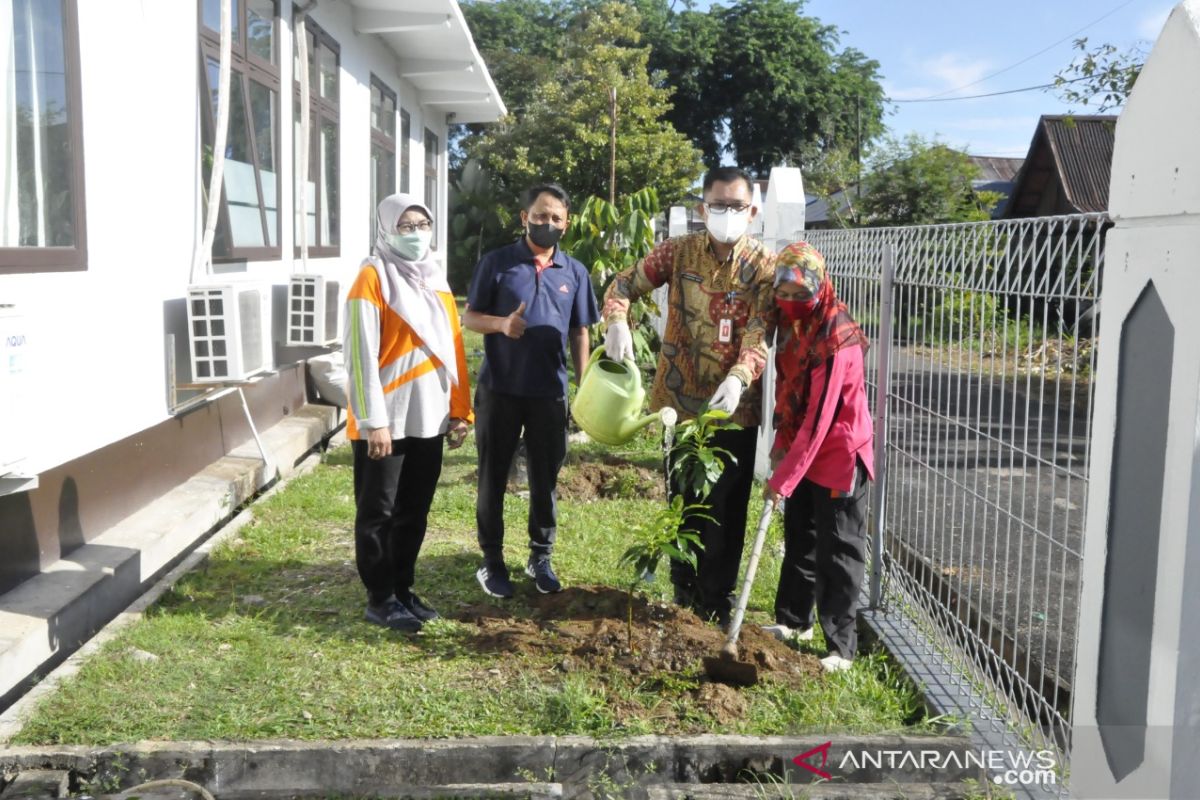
(558, 299)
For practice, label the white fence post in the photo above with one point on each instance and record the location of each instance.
(1136, 694)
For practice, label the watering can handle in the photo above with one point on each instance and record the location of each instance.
(597, 354)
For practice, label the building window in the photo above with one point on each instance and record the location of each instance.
(248, 226)
(41, 138)
(322, 197)
(383, 146)
(405, 149)
(431, 175)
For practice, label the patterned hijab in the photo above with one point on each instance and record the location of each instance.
(812, 339)
(411, 288)
(829, 327)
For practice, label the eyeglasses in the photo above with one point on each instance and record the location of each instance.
(721, 208)
(411, 227)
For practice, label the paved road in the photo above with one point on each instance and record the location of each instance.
(986, 500)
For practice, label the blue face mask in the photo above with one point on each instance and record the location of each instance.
(410, 246)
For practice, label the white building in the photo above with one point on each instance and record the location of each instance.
(107, 115)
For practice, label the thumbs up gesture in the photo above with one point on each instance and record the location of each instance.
(513, 326)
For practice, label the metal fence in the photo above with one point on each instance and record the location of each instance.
(983, 344)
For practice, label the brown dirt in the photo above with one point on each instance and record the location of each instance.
(600, 480)
(586, 627)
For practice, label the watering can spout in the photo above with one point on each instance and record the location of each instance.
(630, 427)
(609, 401)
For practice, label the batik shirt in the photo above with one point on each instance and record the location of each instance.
(703, 292)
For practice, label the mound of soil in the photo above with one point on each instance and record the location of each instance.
(588, 627)
(602, 480)
(598, 480)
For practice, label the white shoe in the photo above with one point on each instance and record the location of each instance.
(835, 663)
(779, 631)
(783, 633)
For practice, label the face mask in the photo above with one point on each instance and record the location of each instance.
(410, 246)
(727, 228)
(544, 235)
(796, 310)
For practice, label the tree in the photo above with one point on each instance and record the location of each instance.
(916, 182)
(761, 80)
(480, 221)
(1102, 74)
(563, 133)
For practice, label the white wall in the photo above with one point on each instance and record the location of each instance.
(98, 372)
(1154, 199)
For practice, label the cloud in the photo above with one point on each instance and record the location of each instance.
(939, 75)
(1151, 25)
(954, 70)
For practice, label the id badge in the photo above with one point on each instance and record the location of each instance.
(725, 331)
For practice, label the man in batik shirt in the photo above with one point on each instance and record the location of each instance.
(720, 306)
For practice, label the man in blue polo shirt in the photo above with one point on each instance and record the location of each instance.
(528, 299)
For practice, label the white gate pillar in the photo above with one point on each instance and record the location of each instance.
(1136, 693)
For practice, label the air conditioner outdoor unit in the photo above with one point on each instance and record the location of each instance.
(229, 325)
(14, 391)
(314, 313)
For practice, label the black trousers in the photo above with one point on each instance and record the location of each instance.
(499, 422)
(709, 589)
(393, 495)
(824, 558)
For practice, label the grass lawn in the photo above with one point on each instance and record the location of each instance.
(268, 639)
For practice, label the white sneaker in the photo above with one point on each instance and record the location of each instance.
(779, 631)
(835, 663)
(783, 633)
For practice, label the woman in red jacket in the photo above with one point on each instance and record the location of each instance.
(822, 457)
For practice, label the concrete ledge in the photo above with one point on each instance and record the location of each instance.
(391, 768)
(50, 615)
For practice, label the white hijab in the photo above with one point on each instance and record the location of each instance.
(410, 287)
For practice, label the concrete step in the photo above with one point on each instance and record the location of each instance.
(38, 784)
(50, 615)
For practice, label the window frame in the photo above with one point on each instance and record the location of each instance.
(380, 138)
(247, 67)
(431, 170)
(320, 108)
(405, 151)
(58, 258)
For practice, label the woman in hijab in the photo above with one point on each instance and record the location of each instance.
(407, 386)
(822, 457)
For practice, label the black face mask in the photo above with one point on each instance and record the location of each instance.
(544, 235)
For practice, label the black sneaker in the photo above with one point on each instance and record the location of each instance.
(538, 568)
(391, 613)
(418, 609)
(494, 580)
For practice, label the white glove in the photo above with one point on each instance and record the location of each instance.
(618, 342)
(727, 395)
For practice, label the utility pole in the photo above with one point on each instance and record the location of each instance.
(858, 144)
(612, 138)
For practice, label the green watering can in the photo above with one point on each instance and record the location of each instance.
(610, 398)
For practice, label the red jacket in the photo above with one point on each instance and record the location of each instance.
(834, 429)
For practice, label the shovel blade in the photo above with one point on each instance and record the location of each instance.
(724, 669)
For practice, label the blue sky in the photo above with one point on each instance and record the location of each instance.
(927, 47)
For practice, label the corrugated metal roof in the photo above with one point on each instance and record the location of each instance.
(1068, 167)
(994, 168)
(1083, 148)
